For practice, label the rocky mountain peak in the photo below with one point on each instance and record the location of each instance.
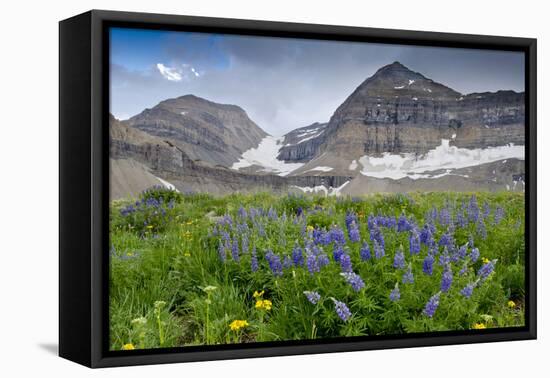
(397, 80)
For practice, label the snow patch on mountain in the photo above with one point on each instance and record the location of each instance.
(265, 155)
(330, 191)
(321, 168)
(167, 184)
(398, 166)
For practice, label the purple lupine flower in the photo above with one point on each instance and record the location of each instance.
(444, 217)
(486, 269)
(312, 296)
(425, 235)
(428, 264)
(235, 250)
(432, 215)
(299, 211)
(342, 310)
(395, 295)
(337, 252)
(468, 290)
(318, 236)
(486, 210)
(446, 240)
(432, 305)
(354, 235)
(408, 277)
(378, 250)
(337, 235)
(399, 259)
(364, 252)
(473, 210)
(460, 219)
(350, 219)
(481, 230)
(474, 254)
(274, 262)
(376, 235)
(312, 264)
(403, 224)
(254, 260)
(462, 251)
(414, 242)
(272, 214)
(222, 252)
(345, 262)
(244, 243)
(446, 279)
(499, 215)
(354, 280)
(242, 212)
(444, 258)
(297, 256)
(322, 260)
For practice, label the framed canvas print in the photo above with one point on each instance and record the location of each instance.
(233, 188)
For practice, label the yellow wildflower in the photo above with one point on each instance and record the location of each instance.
(264, 304)
(309, 228)
(479, 326)
(149, 226)
(189, 223)
(238, 324)
(128, 346)
(511, 304)
(187, 254)
(485, 260)
(258, 294)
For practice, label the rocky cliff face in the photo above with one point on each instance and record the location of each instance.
(159, 157)
(398, 110)
(207, 131)
(301, 145)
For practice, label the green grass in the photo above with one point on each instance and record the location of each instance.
(167, 272)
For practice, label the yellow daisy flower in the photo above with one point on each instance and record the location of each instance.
(479, 326)
(128, 346)
(238, 324)
(258, 294)
(511, 304)
(485, 260)
(264, 304)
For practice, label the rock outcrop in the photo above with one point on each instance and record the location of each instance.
(398, 110)
(207, 131)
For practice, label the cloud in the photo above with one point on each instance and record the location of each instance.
(172, 74)
(284, 83)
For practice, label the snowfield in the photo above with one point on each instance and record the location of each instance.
(322, 169)
(442, 157)
(265, 155)
(330, 191)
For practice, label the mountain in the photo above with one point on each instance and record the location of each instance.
(401, 111)
(302, 144)
(397, 131)
(205, 130)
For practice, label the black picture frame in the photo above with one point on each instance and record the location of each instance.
(83, 181)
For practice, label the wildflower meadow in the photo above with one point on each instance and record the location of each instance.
(195, 269)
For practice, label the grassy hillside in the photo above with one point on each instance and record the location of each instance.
(194, 269)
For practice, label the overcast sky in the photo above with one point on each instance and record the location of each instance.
(282, 83)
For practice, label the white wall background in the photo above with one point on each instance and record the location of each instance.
(29, 189)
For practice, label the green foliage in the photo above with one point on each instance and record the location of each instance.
(162, 194)
(171, 279)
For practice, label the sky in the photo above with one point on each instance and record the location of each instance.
(282, 83)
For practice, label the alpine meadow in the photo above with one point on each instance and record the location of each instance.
(364, 199)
